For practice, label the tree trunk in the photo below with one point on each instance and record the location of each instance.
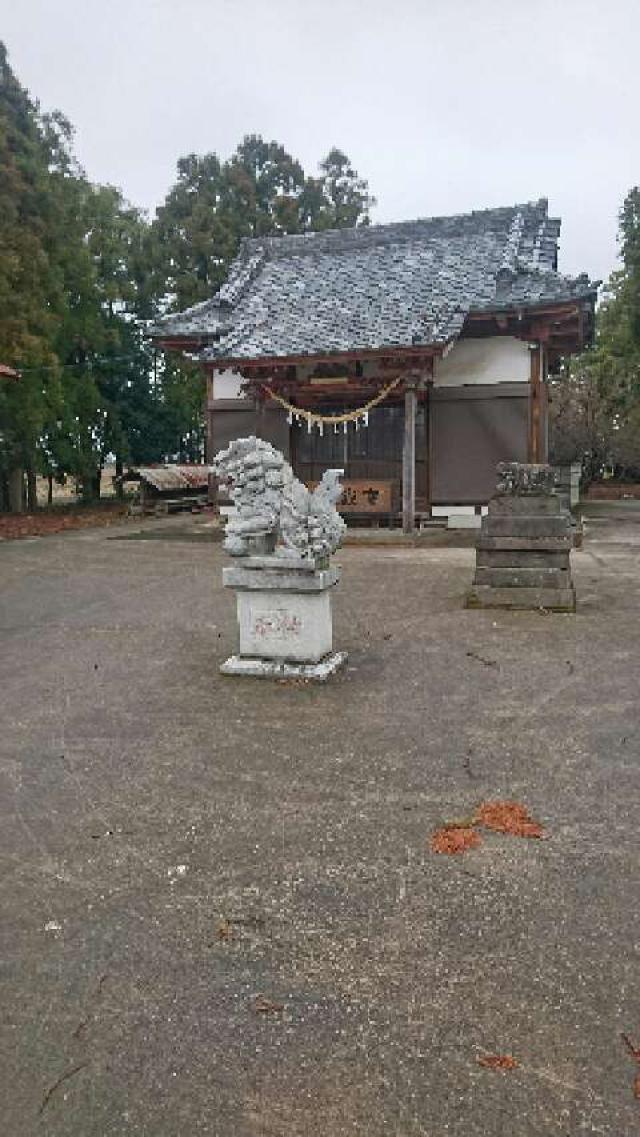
(32, 491)
(50, 489)
(119, 483)
(16, 489)
(91, 486)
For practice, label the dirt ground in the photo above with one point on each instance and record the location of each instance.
(221, 911)
(46, 521)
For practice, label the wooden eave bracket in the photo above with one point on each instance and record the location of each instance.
(389, 358)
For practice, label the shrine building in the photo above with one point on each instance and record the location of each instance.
(413, 355)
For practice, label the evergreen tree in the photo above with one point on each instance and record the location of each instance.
(31, 288)
(596, 405)
(260, 191)
(339, 198)
(81, 272)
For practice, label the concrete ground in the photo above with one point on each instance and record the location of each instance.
(177, 845)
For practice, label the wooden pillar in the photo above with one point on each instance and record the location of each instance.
(543, 417)
(428, 439)
(535, 407)
(409, 460)
(208, 446)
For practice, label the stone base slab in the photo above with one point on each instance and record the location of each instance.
(525, 525)
(291, 626)
(279, 579)
(282, 669)
(549, 599)
(529, 506)
(522, 558)
(281, 563)
(520, 576)
(526, 544)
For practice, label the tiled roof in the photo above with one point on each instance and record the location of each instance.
(406, 284)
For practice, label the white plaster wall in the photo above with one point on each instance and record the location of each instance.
(460, 516)
(498, 359)
(226, 385)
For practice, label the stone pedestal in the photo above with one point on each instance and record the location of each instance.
(522, 551)
(284, 617)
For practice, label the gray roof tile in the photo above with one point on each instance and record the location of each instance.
(411, 283)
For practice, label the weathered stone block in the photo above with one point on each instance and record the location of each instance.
(282, 579)
(540, 505)
(527, 525)
(275, 624)
(523, 577)
(522, 544)
(521, 558)
(282, 669)
(522, 552)
(552, 599)
(522, 478)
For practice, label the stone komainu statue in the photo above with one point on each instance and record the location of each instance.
(272, 505)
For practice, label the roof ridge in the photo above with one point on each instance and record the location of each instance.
(388, 231)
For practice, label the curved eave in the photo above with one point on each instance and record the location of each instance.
(534, 320)
(420, 352)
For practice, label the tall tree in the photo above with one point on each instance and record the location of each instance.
(596, 406)
(31, 292)
(260, 191)
(339, 198)
(81, 271)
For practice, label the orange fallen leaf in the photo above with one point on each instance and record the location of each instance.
(507, 817)
(634, 1050)
(498, 1062)
(453, 839)
(264, 1006)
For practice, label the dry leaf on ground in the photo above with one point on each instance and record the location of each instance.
(264, 1006)
(16, 525)
(498, 1062)
(635, 1052)
(508, 817)
(225, 930)
(454, 839)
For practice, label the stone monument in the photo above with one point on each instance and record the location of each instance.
(522, 551)
(282, 536)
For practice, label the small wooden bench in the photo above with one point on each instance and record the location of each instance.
(164, 505)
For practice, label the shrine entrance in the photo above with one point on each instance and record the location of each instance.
(371, 457)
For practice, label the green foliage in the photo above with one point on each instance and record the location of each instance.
(81, 271)
(260, 191)
(596, 405)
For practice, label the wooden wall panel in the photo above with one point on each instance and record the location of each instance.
(471, 431)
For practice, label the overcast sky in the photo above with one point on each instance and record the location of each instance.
(444, 105)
